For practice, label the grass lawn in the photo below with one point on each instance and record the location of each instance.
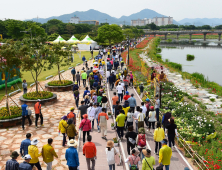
(27, 75)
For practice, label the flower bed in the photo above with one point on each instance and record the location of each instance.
(15, 112)
(38, 95)
(60, 83)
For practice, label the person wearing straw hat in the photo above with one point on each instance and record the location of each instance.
(85, 125)
(62, 128)
(34, 153)
(38, 113)
(71, 155)
(25, 165)
(12, 164)
(148, 161)
(110, 154)
(133, 158)
(48, 154)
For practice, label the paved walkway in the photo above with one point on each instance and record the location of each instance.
(10, 139)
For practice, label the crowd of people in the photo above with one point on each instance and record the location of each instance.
(94, 107)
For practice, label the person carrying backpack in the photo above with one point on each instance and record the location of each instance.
(131, 139)
(141, 141)
(134, 159)
(148, 161)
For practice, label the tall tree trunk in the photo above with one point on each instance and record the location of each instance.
(59, 73)
(36, 82)
(6, 91)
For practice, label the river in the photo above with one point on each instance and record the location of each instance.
(208, 57)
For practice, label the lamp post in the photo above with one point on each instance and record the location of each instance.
(128, 48)
(30, 30)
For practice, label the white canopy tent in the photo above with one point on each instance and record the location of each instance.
(59, 39)
(86, 43)
(73, 40)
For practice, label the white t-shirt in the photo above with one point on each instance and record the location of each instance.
(144, 109)
(141, 117)
(119, 89)
(122, 84)
(110, 155)
(91, 113)
(107, 74)
(152, 115)
(136, 115)
(130, 117)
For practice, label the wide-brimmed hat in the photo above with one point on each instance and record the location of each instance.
(136, 153)
(110, 144)
(145, 153)
(14, 154)
(27, 157)
(34, 142)
(72, 108)
(73, 143)
(64, 118)
(39, 100)
(85, 116)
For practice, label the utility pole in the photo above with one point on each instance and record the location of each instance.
(128, 49)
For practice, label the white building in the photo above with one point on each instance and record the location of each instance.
(159, 21)
(74, 20)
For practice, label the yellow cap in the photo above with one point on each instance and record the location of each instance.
(72, 108)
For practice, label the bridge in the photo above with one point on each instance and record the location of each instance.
(162, 44)
(190, 32)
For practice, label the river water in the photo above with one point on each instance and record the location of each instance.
(208, 57)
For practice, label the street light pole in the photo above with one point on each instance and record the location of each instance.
(128, 49)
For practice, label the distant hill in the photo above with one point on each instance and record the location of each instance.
(102, 17)
(201, 21)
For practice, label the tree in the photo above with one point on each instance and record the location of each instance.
(36, 30)
(53, 29)
(10, 59)
(70, 29)
(112, 33)
(59, 56)
(36, 57)
(14, 29)
(128, 33)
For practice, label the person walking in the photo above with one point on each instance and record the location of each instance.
(75, 86)
(102, 119)
(115, 98)
(135, 116)
(104, 101)
(165, 154)
(131, 78)
(87, 100)
(89, 151)
(157, 106)
(165, 119)
(73, 72)
(126, 83)
(25, 144)
(34, 153)
(83, 109)
(38, 113)
(85, 125)
(62, 128)
(78, 78)
(76, 97)
(71, 155)
(141, 116)
(133, 159)
(25, 115)
(94, 98)
(111, 151)
(24, 86)
(72, 115)
(91, 113)
(152, 118)
(48, 154)
(97, 111)
(171, 131)
(132, 102)
(86, 92)
(120, 119)
(107, 75)
(129, 119)
(84, 77)
(158, 137)
(126, 96)
(25, 165)
(141, 87)
(131, 139)
(12, 164)
(141, 141)
(71, 129)
(148, 161)
(120, 90)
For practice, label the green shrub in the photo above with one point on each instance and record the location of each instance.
(38, 95)
(190, 57)
(159, 56)
(60, 83)
(175, 65)
(158, 50)
(15, 112)
(212, 99)
(167, 60)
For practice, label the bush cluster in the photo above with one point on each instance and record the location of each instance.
(60, 83)
(38, 95)
(15, 112)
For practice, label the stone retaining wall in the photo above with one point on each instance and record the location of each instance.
(59, 88)
(12, 122)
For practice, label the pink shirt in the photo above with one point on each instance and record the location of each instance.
(134, 160)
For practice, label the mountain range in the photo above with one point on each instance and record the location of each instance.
(146, 13)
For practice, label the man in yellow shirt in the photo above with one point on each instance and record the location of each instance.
(120, 119)
(34, 153)
(165, 154)
(48, 154)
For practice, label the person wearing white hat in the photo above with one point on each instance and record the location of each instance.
(34, 153)
(38, 113)
(72, 155)
(25, 165)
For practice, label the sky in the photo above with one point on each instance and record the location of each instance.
(178, 9)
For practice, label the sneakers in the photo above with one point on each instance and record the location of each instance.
(98, 131)
(103, 137)
(42, 125)
(36, 127)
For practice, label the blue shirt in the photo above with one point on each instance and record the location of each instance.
(25, 166)
(96, 78)
(73, 71)
(24, 110)
(83, 59)
(132, 102)
(72, 157)
(12, 164)
(24, 147)
(85, 92)
(95, 84)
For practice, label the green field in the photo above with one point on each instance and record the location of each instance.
(28, 77)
